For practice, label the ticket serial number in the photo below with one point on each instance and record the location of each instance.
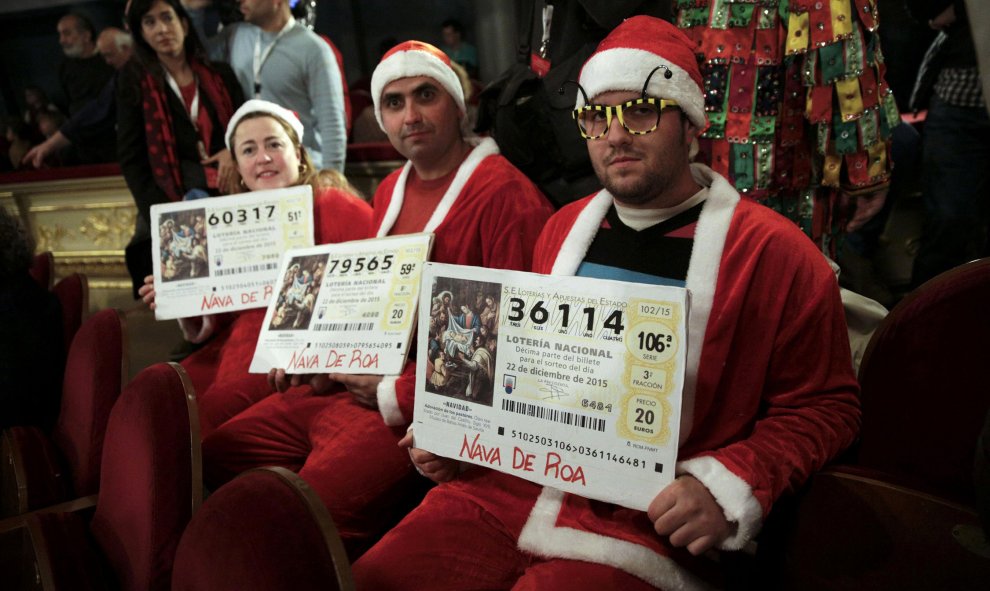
(253, 214)
(579, 449)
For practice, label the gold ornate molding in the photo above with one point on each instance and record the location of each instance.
(85, 222)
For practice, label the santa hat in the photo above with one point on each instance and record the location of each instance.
(627, 56)
(415, 58)
(269, 108)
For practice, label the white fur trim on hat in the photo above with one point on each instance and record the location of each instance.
(625, 68)
(260, 106)
(412, 59)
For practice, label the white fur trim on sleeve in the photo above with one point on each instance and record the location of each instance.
(732, 493)
(541, 536)
(388, 402)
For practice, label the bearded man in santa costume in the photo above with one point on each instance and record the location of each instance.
(340, 431)
(769, 393)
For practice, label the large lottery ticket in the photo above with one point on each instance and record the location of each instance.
(566, 381)
(221, 254)
(344, 308)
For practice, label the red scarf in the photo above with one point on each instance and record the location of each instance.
(159, 132)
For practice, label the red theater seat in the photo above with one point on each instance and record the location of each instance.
(924, 383)
(150, 486)
(851, 532)
(43, 269)
(73, 293)
(265, 529)
(37, 470)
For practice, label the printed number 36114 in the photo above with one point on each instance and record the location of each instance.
(540, 314)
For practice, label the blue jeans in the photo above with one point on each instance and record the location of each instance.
(956, 186)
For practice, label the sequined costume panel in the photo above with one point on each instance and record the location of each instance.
(797, 102)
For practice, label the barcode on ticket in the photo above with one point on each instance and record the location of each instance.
(555, 415)
(246, 269)
(344, 326)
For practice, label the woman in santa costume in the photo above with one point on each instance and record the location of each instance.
(769, 393)
(482, 211)
(264, 139)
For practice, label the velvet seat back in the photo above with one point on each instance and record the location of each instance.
(265, 529)
(850, 531)
(151, 482)
(73, 293)
(43, 269)
(95, 371)
(925, 383)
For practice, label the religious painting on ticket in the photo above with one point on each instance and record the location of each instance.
(463, 339)
(183, 245)
(298, 292)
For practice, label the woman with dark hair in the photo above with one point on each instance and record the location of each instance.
(172, 109)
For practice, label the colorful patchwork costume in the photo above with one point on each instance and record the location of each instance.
(797, 102)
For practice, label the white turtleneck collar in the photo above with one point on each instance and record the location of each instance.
(641, 219)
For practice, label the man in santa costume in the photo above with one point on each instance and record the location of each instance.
(341, 431)
(769, 393)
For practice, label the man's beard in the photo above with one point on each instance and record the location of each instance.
(645, 187)
(73, 51)
(651, 182)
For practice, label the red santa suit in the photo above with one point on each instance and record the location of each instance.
(769, 397)
(490, 216)
(220, 369)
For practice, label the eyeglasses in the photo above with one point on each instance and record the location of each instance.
(638, 116)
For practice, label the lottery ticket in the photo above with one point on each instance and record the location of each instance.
(570, 382)
(221, 254)
(344, 308)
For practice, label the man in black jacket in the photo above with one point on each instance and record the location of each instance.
(83, 75)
